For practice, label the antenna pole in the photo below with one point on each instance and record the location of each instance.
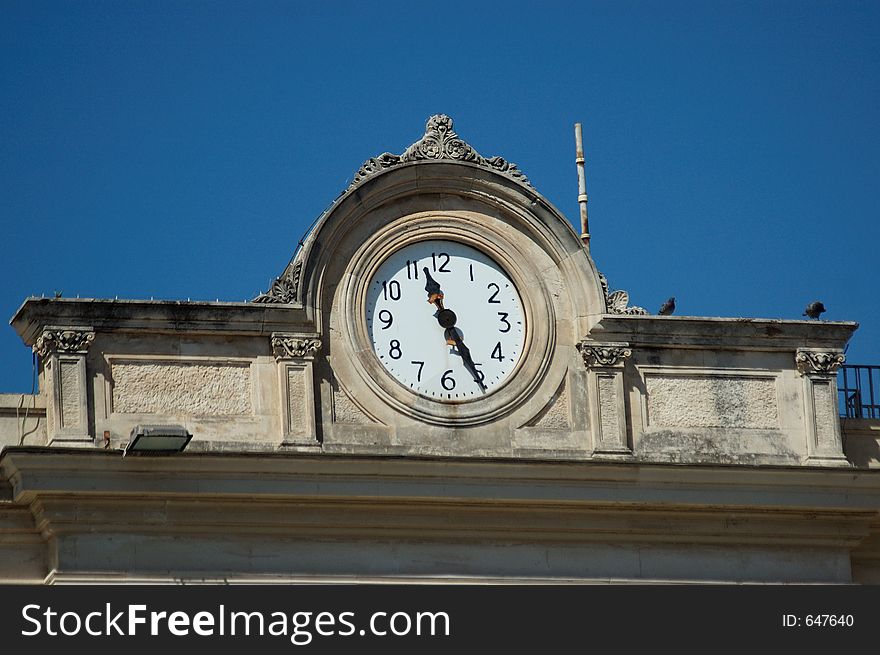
(582, 185)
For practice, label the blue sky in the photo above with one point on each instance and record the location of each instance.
(180, 149)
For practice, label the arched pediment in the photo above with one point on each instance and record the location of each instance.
(438, 171)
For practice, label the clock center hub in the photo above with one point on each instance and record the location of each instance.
(446, 318)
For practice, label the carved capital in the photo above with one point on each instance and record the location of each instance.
(439, 142)
(604, 354)
(63, 340)
(291, 347)
(818, 362)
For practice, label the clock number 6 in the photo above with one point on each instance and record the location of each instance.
(448, 379)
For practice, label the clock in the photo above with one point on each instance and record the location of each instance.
(445, 320)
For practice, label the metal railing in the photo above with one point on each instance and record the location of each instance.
(859, 391)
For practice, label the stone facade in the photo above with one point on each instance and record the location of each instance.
(623, 446)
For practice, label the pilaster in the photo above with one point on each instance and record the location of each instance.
(62, 351)
(295, 355)
(819, 371)
(605, 395)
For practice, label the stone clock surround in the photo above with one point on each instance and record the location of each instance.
(478, 232)
(538, 249)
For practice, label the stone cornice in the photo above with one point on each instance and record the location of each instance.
(723, 333)
(42, 470)
(158, 316)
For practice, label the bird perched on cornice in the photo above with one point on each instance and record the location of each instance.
(667, 308)
(814, 309)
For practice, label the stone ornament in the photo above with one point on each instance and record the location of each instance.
(60, 340)
(439, 142)
(285, 289)
(616, 301)
(294, 347)
(822, 363)
(607, 354)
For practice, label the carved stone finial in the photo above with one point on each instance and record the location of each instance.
(285, 289)
(289, 347)
(439, 142)
(818, 362)
(603, 354)
(63, 340)
(616, 302)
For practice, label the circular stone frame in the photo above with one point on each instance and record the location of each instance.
(496, 240)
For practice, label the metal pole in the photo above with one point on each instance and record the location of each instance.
(582, 185)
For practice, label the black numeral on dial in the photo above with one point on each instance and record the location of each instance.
(386, 318)
(447, 381)
(391, 290)
(443, 258)
(394, 348)
(496, 353)
(503, 318)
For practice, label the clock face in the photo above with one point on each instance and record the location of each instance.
(412, 336)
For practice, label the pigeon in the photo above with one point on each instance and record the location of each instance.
(814, 309)
(667, 308)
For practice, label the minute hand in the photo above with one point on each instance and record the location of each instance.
(465, 353)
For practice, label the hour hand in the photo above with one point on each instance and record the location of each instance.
(432, 286)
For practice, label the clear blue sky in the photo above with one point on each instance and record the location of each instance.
(179, 149)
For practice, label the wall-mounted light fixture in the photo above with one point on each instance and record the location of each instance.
(157, 439)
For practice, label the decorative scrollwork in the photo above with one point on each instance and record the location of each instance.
(285, 289)
(63, 340)
(616, 302)
(817, 362)
(288, 347)
(439, 142)
(603, 354)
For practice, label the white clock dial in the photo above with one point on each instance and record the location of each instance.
(414, 347)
